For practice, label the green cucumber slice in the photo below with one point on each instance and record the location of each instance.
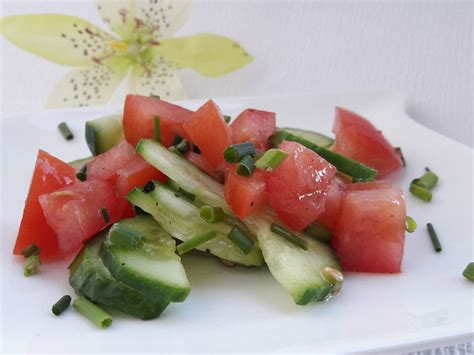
(311, 136)
(78, 163)
(104, 133)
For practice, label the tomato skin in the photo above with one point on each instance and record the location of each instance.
(208, 131)
(370, 233)
(105, 165)
(201, 163)
(138, 119)
(245, 195)
(297, 188)
(255, 126)
(360, 140)
(49, 175)
(74, 212)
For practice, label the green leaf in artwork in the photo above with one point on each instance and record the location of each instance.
(62, 39)
(209, 54)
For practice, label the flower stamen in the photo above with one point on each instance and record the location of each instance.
(118, 46)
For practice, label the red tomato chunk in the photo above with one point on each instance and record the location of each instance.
(255, 126)
(370, 233)
(208, 130)
(105, 165)
(201, 163)
(74, 212)
(245, 195)
(358, 139)
(138, 119)
(297, 188)
(49, 175)
(332, 205)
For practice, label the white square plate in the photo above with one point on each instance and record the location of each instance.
(245, 310)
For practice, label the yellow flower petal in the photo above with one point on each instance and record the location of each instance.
(209, 54)
(62, 39)
(90, 86)
(158, 78)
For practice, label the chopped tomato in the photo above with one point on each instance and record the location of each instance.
(201, 163)
(105, 165)
(138, 119)
(358, 139)
(210, 133)
(370, 233)
(297, 188)
(331, 206)
(244, 195)
(255, 126)
(74, 212)
(137, 173)
(49, 175)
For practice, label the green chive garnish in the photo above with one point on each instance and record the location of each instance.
(175, 150)
(421, 192)
(236, 152)
(60, 306)
(93, 312)
(65, 131)
(82, 173)
(31, 266)
(319, 233)
(227, 118)
(105, 215)
(212, 214)
(183, 146)
(246, 167)
(410, 224)
(30, 250)
(271, 159)
(238, 237)
(434, 238)
(177, 138)
(289, 236)
(468, 272)
(155, 96)
(196, 241)
(427, 181)
(126, 237)
(156, 129)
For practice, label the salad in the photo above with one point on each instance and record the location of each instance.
(164, 181)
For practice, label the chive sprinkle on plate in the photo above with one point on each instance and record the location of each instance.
(65, 131)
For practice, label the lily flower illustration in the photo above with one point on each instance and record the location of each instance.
(140, 48)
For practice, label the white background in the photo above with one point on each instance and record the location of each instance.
(420, 48)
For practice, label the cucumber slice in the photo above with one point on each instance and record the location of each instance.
(308, 275)
(181, 219)
(78, 163)
(103, 133)
(89, 277)
(314, 137)
(184, 174)
(356, 170)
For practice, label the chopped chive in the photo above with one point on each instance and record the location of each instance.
(65, 131)
(30, 250)
(82, 173)
(410, 224)
(175, 150)
(227, 118)
(60, 306)
(468, 272)
(196, 241)
(92, 312)
(434, 238)
(187, 195)
(105, 215)
(398, 150)
(149, 187)
(427, 181)
(155, 96)
(126, 237)
(183, 146)
(31, 266)
(421, 192)
(246, 167)
(156, 129)
(236, 152)
(319, 233)
(289, 236)
(212, 214)
(177, 139)
(271, 159)
(238, 237)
